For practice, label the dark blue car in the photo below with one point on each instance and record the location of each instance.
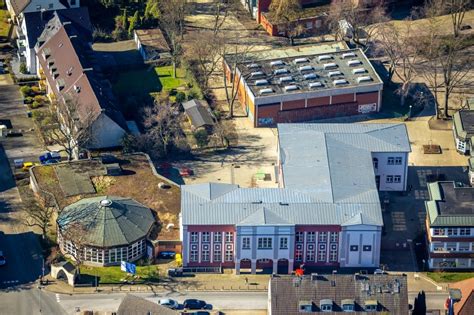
(50, 156)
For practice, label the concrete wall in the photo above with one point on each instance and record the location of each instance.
(354, 250)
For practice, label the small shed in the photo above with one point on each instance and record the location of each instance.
(199, 114)
(152, 44)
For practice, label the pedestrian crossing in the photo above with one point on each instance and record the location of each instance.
(58, 298)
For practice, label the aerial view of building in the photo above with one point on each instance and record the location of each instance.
(105, 230)
(463, 127)
(450, 226)
(325, 213)
(65, 59)
(19, 7)
(337, 293)
(307, 87)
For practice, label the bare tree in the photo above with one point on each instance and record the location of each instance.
(162, 123)
(221, 10)
(203, 55)
(69, 126)
(234, 51)
(40, 216)
(286, 14)
(75, 235)
(388, 44)
(361, 23)
(457, 9)
(173, 13)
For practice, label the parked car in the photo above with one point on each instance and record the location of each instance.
(48, 162)
(169, 303)
(175, 272)
(27, 165)
(18, 163)
(167, 255)
(14, 133)
(194, 304)
(185, 172)
(3, 261)
(53, 155)
(379, 272)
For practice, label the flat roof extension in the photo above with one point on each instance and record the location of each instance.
(309, 73)
(450, 205)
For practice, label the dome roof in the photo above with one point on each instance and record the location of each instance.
(107, 221)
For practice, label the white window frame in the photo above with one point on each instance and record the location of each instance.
(265, 243)
(246, 243)
(284, 243)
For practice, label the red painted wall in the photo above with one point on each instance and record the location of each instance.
(367, 98)
(318, 101)
(344, 98)
(293, 104)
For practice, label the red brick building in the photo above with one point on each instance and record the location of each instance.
(305, 88)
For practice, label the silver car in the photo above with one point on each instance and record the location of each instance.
(169, 303)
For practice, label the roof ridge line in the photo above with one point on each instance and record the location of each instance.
(329, 166)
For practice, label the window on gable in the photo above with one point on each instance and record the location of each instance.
(390, 161)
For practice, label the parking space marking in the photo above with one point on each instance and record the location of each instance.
(399, 222)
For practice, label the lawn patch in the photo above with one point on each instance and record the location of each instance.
(165, 74)
(450, 276)
(140, 83)
(113, 274)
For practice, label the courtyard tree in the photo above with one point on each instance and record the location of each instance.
(348, 19)
(64, 125)
(286, 14)
(76, 231)
(39, 216)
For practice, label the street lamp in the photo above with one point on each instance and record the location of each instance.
(409, 111)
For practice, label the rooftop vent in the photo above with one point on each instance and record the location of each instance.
(324, 57)
(348, 55)
(265, 91)
(280, 71)
(310, 76)
(105, 202)
(276, 63)
(261, 82)
(314, 276)
(257, 74)
(364, 79)
(348, 305)
(314, 85)
(77, 89)
(301, 60)
(359, 70)
(325, 305)
(354, 62)
(289, 88)
(340, 82)
(306, 68)
(330, 65)
(253, 66)
(286, 79)
(334, 73)
(69, 71)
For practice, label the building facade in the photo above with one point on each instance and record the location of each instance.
(104, 231)
(338, 293)
(450, 226)
(305, 88)
(463, 129)
(321, 216)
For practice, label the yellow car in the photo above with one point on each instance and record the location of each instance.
(28, 165)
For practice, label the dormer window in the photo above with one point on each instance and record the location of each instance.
(325, 305)
(371, 305)
(306, 307)
(348, 305)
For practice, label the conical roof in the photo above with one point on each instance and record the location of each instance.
(106, 221)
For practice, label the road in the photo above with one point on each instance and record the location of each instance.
(18, 292)
(219, 300)
(110, 302)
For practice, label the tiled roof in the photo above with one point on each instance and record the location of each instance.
(36, 22)
(450, 205)
(19, 5)
(134, 305)
(118, 223)
(289, 293)
(66, 50)
(466, 305)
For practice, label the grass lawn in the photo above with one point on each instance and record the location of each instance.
(165, 75)
(138, 82)
(450, 276)
(115, 275)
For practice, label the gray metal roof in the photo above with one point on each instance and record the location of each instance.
(198, 113)
(108, 221)
(450, 205)
(328, 179)
(334, 161)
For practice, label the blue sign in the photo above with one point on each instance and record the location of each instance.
(128, 267)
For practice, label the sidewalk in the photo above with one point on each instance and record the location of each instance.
(198, 282)
(418, 281)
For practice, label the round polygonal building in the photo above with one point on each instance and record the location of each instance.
(104, 230)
